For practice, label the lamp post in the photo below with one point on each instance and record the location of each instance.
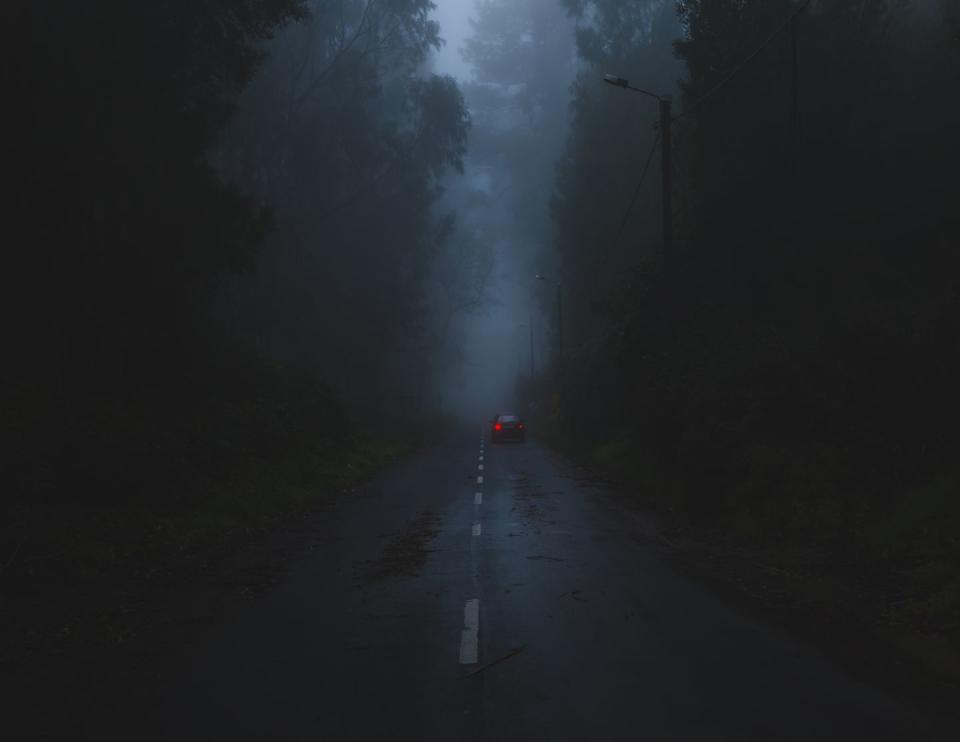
(667, 186)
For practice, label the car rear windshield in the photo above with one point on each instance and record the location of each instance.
(508, 418)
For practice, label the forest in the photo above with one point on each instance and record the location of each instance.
(258, 249)
(787, 379)
(226, 223)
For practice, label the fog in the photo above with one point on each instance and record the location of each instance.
(360, 196)
(454, 19)
(517, 137)
(270, 267)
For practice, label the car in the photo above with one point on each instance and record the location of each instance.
(506, 428)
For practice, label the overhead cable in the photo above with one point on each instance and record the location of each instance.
(636, 193)
(733, 73)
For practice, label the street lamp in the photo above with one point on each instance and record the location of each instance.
(667, 195)
(622, 82)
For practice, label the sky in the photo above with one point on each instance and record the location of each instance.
(453, 16)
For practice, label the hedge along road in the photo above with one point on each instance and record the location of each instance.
(484, 591)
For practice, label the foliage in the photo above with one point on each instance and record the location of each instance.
(120, 225)
(792, 380)
(346, 138)
(600, 239)
(222, 210)
(523, 60)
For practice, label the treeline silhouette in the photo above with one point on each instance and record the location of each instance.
(217, 233)
(792, 380)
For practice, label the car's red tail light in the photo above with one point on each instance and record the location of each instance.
(520, 426)
(498, 426)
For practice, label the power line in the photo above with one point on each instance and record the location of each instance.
(636, 193)
(735, 71)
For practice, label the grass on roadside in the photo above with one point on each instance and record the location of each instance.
(890, 570)
(260, 494)
(74, 571)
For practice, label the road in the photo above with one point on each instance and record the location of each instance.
(481, 592)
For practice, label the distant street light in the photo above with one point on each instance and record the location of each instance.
(667, 195)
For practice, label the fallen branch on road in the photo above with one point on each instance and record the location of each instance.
(512, 653)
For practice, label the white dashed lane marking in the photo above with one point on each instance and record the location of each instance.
(469, 636)
(470, 633)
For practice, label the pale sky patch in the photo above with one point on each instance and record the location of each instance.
(453, 16)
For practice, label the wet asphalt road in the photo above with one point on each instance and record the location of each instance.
(363, 641)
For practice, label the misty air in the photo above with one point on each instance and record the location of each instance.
(481, 370)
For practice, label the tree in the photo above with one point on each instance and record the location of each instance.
(121, 225)
(523, 58)
(604, 226)
(117, 234)
(814, 279)
(346, 137)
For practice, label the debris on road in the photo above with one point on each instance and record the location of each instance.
(512, 653)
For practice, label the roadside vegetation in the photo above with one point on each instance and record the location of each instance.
(132, 518)
(789, 388)
(217, 271)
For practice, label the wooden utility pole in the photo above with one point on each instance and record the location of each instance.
(667, 196)
(664, 101)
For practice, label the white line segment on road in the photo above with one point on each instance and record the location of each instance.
(478, 498)
(470, 633)
(476, 529)
(480, 467)
(480, 479)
